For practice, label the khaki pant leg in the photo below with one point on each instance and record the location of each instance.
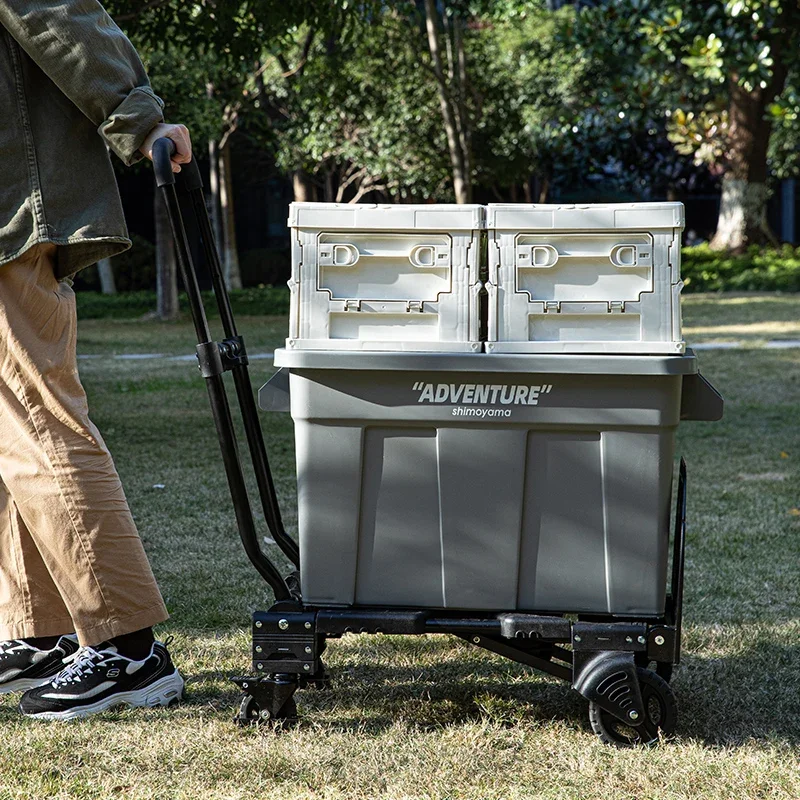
(27, 591)
(56, 467)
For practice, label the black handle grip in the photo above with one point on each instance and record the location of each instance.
(188, 179)
(162, 161)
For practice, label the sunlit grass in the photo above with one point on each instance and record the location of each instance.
(430, 717)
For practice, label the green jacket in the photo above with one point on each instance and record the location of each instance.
(67, 74)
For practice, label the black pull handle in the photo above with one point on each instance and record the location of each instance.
(188, 179)
(162, 162)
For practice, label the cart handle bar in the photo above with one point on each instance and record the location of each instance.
(165, 180)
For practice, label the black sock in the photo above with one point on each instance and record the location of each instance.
(41, 642)
(136, 645)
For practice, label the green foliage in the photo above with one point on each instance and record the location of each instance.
(362, 112)
(234, 30)
(256, 301)
(656, 56)
(359, 113)
(707, 270)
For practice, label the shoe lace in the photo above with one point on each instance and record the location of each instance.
(81, 663)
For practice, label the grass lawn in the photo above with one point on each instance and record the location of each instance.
(430, 717)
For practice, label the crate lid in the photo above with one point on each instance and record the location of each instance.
(631, 216)
(373, 216)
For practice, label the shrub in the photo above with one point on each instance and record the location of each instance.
(256, 301)
(766, 270)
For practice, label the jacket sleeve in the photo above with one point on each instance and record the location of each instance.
(80, 48)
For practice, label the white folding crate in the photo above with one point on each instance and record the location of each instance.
(584, 278)
(385, 277)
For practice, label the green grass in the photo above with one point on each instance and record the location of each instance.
(430, 717)
(261, 300)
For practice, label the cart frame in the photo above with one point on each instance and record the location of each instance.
(604, 658)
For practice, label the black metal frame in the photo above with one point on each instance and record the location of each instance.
(290, 638)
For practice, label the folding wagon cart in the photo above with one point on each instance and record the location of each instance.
(516, 498)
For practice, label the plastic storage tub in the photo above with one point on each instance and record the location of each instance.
(385, 277)
(585, 278)
(469, 481)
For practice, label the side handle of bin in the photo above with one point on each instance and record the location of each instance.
(700, 401)
(274, 394)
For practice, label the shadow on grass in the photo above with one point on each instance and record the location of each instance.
(754, 696)
(370, 698)
(722, 701)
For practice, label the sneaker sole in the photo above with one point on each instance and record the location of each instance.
(163, 692)
(23, 684)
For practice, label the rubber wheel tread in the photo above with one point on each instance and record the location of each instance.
(654, 690)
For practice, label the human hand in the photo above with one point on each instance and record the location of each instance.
(179, 134)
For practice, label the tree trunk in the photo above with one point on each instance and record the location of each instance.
(742, 215)
(106, 273)
(230, 261)
(456, 125)
(527, 190)
(303, 188)
(743, 206)
(330, 195)
(213, 179)
(213, 188)
(166, 269)
(544, 189)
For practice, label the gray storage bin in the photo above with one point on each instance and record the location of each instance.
(473, 481)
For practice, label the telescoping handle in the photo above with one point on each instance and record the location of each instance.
(216, 358)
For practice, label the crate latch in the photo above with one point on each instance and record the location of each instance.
(414, 305)
(352, 305)
(616, 306)
(552, 307)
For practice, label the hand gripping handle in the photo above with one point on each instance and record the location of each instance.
(188, 178)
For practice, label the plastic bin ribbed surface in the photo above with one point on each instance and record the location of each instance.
(385, 277)
(475, 481)
(584, 278)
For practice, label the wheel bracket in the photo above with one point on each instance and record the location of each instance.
(609, 679)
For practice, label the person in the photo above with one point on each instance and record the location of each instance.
(78, 600)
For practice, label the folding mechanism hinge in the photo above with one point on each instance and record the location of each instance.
(352, 304)
(552, 306)
(414, 305)
(616, 306)
(214, 358)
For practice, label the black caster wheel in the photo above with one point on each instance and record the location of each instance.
(663, 668)
(660, 715)
(250, 713)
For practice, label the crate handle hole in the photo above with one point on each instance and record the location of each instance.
(544, 256)
(624, 255)
(344, 255)
(423, 255)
